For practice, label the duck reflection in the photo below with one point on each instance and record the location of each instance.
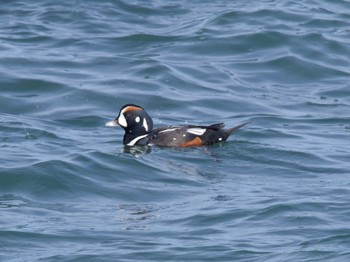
(137, 150)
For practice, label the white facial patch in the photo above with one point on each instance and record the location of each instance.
(111, 124)
(137, 119)
(134, 141)
(122, 120)
(145, 125)
(196, 131)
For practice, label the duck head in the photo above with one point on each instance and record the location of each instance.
(136, 123)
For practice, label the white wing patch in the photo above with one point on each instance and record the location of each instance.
(134, 141)
(196, 131)
(168, 130)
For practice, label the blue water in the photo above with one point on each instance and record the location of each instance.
(277, 190)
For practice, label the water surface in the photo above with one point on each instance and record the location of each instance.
(278, 190)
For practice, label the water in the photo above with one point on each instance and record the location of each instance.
(278, 190)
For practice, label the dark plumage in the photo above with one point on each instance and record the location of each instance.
(138, 127)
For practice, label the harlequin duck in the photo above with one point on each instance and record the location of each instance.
(139, 131)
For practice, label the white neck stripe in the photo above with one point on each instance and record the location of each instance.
(136, 139)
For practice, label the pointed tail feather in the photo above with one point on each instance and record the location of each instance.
(231, 130)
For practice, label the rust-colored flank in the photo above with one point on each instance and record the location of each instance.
(194, 142)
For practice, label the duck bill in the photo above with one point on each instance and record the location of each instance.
(112, 123)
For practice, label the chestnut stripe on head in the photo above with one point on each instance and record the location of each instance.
(131, 108)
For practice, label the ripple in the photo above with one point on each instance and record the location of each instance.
(275, 189)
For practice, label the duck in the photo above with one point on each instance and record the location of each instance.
(139, 131)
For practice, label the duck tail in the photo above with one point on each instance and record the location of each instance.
(231, 130)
